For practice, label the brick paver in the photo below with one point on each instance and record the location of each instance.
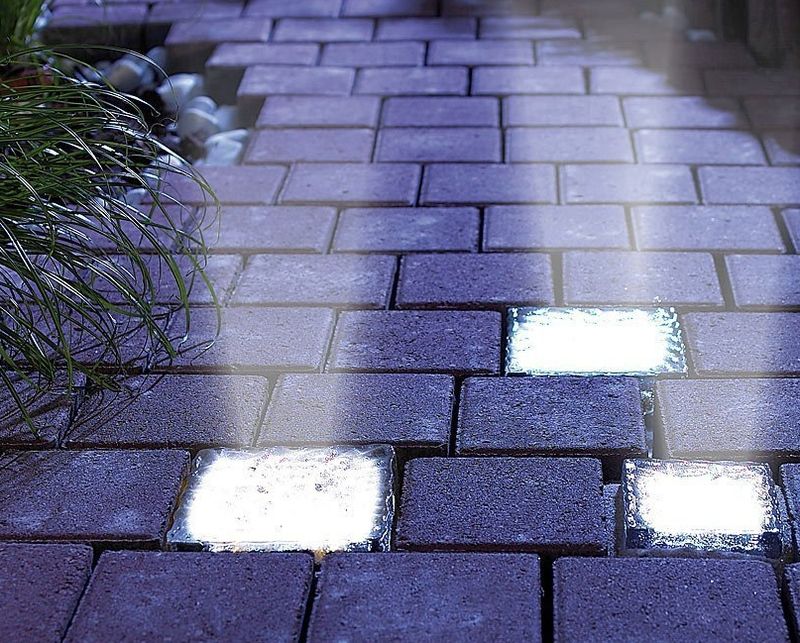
(319, 111)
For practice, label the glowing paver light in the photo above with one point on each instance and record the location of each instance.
(671, 506)
(280, 499)
(594, 341)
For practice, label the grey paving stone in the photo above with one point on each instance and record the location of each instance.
(698, 146)
(706, 55)
(374, 54)
(591, 416)
(682, 111)
(407, 411)
(232, 185)
(783, 146)
(546, 505)
(425, 28)
(310, 144)
(417, 341)
(527, 80)
(442, 144)
(109, 497)
(792, 220)
(584, 53)
(666, 600)
(626, 81)
(568, 144)
(524, 27)
(489, 184)
(40, 586)
(474, 280)
(480, 52)
(275, 228)
(267, 80)
(440, 111)
(389, 8)
(194, 596)
(352, 184)
(764, 281)
(293, 9)
(627, 184)
(428, 597)
(185, 411)
(773, 112)
(517, 227)
(768, 186)
(561, 110)
(705, 228)
(730, 419)
(722, 343)
(359, 281)
(319, 111)
(191, 33)
(397, 81)
(407, 229)
(756, 82)
(257, 339)
(240, 55)
(671, 278)
(322, 30)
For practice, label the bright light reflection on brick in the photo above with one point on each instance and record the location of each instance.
(278, 499)
(594, 341)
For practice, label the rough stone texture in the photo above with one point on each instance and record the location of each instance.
(189, 411)
(194, 596)
(743, 342)
(729, 419)
(760, 281)
(596, 416)
(442, 111)
(474, 144)
(489, 184)
(50, 416)
(666, 600)
(417, 341)
(470, 280)
(640, 278)
(40, 586)
(406, 411)
(562, 110)
(431, 597)
(768, 186)
(502, 504)
(108, 497)
(319, 111)
(627, 184)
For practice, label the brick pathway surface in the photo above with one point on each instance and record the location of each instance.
(417, 167)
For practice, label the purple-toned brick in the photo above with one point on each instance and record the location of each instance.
(167, 12)
(591, 416)
(176, 411)
(516, 227)
(490, 184)
(561, 110)
(568, 144)
(674, 278)
(40, 586)
(293, 9)
(755, 82)
(791, 583)
(186, 596)
(322, 30)
(627, 184)
(705, 228)
(610, 494)
(389, 8)
(698, 146)
(356, 281)
(792, 220)
(208, 32)
(707, 55)
(109, 497)
(755, 185)
(417, 341)
(623, 80)
(426, 28)
(233, 185)
(730, 419)
(682, 111)
(428, 597)
(527, 80)
(271, 229)
(309, 144)
(773, 112)
(374, 54)
(488, 8)
(474, 280)
(735, 343)
(352, 184)
(407, 229)
(545, 505)
(239, 55)
(443, 144)
(436, 111)
(764, 281)
(668, 599)
(790, 482)
(49, 414)
(320, 111)
(480, 52)
(583, 53)
(267, 80)
(528, 28)
(258, 339)
(397, 81)
(407, 411)
(783, 146)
